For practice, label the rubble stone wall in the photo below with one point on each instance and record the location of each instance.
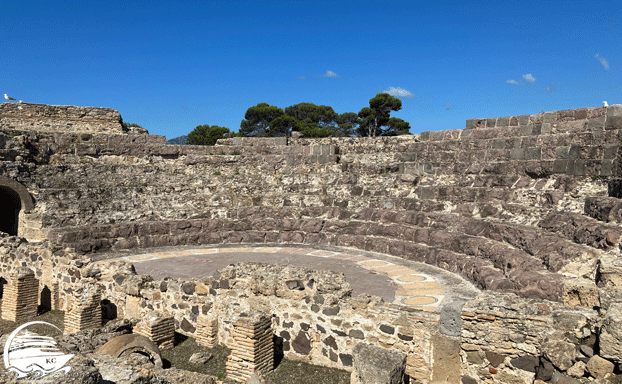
(59, 118)
(493, 336)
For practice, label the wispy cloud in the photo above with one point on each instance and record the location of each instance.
(551, 87)
(398, 92)
(529, 77)
(184, 107)
(512, 82)
(448, 106)
(330, 74)
(603, 61)
(301, 77)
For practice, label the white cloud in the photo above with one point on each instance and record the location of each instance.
(301, 77)
(448, 106)
(398, 92)
(330, 74)
(529, 77)
(603, 61)
(184, 107)
(551, 87)
(512, 82)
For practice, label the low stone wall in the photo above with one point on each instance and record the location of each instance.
(59, 118)
(494, 336)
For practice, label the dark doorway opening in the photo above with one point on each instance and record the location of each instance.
(46, 300)
(10, 205)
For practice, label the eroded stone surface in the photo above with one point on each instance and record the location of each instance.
(377, 365)
(611, 334)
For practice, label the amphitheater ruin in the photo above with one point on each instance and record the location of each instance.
(498, 244)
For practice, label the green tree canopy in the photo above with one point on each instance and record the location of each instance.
(348, 123)
(257, 119)
(396, 127)
(206, 135)
(322, 115)
(282, 126)
(377, 115)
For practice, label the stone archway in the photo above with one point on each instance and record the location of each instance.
(15, 199)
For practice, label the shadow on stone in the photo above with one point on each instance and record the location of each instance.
(278, 350)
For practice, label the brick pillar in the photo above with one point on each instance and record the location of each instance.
(252, 349)
(84, 311)
(20, 298)
(207, 331)
(159, 328)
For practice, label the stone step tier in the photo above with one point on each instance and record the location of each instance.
(511, 250)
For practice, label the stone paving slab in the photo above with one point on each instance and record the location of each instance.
(397, 284)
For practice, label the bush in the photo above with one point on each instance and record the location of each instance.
(206, 135)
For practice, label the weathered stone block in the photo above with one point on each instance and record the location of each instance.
(581, 292)
(450, 319)
(549, 117)
(599, 367)
(611, 334)
(610, 270)
(517, 154)
(526, 363)
(375, 365)
(526, 130)
(503, 121)
(560, 353)
(562, 152)
(446, 355)
(614, 117)
(533, 153)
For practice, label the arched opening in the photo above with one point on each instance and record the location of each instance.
(10, 205)
(46, 300)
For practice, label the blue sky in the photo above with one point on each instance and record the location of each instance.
(170, 66)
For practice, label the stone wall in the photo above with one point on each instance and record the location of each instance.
(59, 118)
(494, 336)
(456, 199)
(524, 205)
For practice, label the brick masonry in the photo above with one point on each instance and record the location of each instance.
(158, 328)
(207, 331)
(252, 349)
(83, 310)
(20, 297)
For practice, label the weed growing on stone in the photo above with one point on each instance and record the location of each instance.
(287, 372)
(217, 173)
(301, 373)
(178, 357)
